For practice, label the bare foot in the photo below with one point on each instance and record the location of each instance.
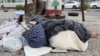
(95, 35)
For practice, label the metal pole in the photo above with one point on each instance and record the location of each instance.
(82, 10)
(25, 6)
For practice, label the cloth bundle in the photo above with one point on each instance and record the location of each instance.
(35, 36)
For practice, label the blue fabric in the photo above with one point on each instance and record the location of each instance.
(35, 36)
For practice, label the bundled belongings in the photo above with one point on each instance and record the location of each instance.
(7, 29)
(12, 44)
(1, 42)
(35, 36)
(10, 36)
(8, 26)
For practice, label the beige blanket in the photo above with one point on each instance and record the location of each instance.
(68, 40)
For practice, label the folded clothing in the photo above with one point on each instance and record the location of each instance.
(12, 44)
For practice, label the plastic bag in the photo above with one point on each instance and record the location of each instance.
(35, 36)
(12, 44)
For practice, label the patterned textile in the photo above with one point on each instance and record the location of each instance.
(35, 36)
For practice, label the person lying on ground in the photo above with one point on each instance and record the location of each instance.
(79, 28)
(54, 27)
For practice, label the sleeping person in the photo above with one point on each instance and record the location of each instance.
(64, 34)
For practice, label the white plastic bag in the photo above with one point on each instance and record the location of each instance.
(1, 46)
(9, 22)
(9, 28)
(1, 42)
(12, 44)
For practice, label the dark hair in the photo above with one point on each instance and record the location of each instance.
(20, 19)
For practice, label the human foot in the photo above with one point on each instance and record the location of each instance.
(95, 35)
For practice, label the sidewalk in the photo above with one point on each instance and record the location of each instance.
(93, 23)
